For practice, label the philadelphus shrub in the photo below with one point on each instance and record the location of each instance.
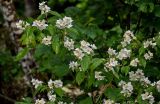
(80, 74)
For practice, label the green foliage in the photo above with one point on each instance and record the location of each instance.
(102, 23)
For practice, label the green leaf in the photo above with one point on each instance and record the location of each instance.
(91, 80)
(55, 14)
(56, 44)
(96, 62)
(61, 70)
(80, 77)
(85, 63)
(59, 91)
(87, 100)
(157, 10)
(113, 93)
(115, 74)
(143, 62)
(40, 89)
(141, 50)
(51, 29)
(21, 54)
(28, 37)
(125, 69)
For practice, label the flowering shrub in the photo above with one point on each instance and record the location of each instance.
(74, 69)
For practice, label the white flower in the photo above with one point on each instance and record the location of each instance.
(22, 24)
(40, 24)
(148, 55)
(139, 76)
(58, 83)
(44, 8)
(111, 51)
(36, 83)
(50, 84)
(158, 85)
(123, 54)
(112, 63)
(148, 96)
(78, 53)
(149, 43)
(134, 62)
(127, 88)
(73, 65)
(66, 22)
(87, 48)
(128, 37)
(51, 97)
(145, 81)
(68, 43)
(47, 40)
(40, 101)
(98, 75)
(108, 101)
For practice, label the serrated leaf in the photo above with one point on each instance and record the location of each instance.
(80, 77)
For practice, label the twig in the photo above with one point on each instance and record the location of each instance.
(7, 98)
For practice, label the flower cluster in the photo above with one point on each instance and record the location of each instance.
(148, 55)
(134, 62)
(108, 101)
(111, 52)
(68, 43)
(73, 65)
(47, 40)
(127, 88)
(158, 85)
(44, 8)
(123, 54)
(56, 84)
(148, 96)
(36, 82)
(85, 48)
(98, 75)
(51, 96)
(139, 76)
(66, 22)
(128, 37)
(40, 101)
(149, 43)
(22, 24)
(40, 24)
(111, 64)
